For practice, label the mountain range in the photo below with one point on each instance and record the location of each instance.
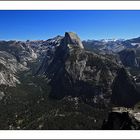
(65, 83)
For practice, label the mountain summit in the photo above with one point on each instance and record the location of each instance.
(71, 40)
(73, 71)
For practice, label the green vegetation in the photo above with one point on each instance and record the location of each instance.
(28, 106)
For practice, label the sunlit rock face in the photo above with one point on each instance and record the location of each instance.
(9, 66)
(71, 40)
(74, 71)
(17, 56)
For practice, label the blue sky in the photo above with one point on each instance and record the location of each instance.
(33, 25)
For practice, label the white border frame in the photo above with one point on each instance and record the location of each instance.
(78, 134)
(69, 5)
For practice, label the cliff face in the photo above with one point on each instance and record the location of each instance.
(124, 91)
(120, 121)
(71, 40)
(82, 74)
(128, 58)
(76, 72)
(8, 69)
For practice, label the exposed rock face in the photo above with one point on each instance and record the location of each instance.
(71, 40)
(44, 47)
(82, 74)
(128, 58)
(8, 69)
(134, 40)
(20, 50)
(1, 95)
(122, 119)
(124, 91)
(74, 71)
(16, 56)
(106, 47)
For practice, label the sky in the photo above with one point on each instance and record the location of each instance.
(91, 24)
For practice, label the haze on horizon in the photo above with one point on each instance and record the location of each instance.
(88, 24)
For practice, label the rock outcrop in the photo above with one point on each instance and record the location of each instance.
(122, 119)
(128, 58)
(74, 71)
(71, 40)
(17, 56)
(124, 91)
(8, 69)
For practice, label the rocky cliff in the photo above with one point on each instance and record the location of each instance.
(76, 72)
(128, 58)
(122, 119)
(124, 91)
(9, 66)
